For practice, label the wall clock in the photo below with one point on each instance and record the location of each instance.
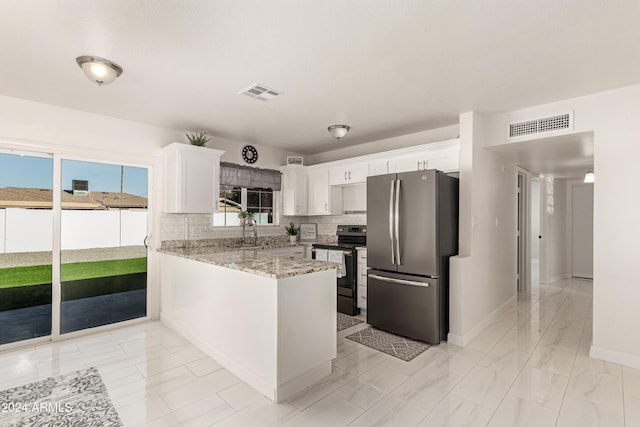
(249, 154)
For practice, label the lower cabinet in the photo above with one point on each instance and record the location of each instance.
(362, 279)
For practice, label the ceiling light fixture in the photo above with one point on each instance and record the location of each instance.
(589, 177)
(338, 131)
(99, 70)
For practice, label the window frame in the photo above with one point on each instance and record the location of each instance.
(243, 206)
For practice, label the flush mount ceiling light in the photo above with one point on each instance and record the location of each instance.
(338, 131)
(99, 70)
(589, 177)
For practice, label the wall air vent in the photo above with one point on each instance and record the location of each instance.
(260, 92)
(560, 122)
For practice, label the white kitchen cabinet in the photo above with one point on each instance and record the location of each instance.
(447, 162)
(322, 198)
(378, 167)
(192, 178)
(409, 164)
(294, 190)
(344, 175)
(362, 278)
(442, 156)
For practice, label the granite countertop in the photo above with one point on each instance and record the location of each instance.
(254, 259)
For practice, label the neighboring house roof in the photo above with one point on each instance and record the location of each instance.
(16, 197)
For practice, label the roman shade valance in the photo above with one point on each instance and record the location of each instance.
(248, 177)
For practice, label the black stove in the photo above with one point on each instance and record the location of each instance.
(350, 237)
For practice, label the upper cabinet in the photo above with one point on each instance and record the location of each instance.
(294, 190)
(353, 174)
(378, 167)
(408, 164)
(444, 156)
(192, 178)
(322, 198)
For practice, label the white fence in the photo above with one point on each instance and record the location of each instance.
(31, 230)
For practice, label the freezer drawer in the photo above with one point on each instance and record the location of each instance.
(405, 305)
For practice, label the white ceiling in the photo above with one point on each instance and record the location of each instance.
(385, 68)
(567, 156)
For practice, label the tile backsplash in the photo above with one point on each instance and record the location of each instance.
(199, 227)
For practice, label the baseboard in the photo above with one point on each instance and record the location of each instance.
(557, 278)
(463, 340)
(608, 355)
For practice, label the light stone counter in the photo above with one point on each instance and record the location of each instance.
(255, 260)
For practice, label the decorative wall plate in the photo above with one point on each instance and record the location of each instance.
(249, 154)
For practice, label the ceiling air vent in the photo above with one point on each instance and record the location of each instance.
(547, 124)
(261, 92)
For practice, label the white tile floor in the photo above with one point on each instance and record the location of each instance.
(529, 368)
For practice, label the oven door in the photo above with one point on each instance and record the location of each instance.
(347, 286)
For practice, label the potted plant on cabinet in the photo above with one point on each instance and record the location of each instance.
(250, 220)
(199, 138)
(292, 232)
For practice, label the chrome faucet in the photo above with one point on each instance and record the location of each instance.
(255, 233)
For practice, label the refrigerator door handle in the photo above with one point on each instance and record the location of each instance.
(397, 222)
(399, 281)
(393, 255)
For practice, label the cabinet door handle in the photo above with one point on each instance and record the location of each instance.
(418, 164)
(349, 175)
(345, 175)
(326, 207)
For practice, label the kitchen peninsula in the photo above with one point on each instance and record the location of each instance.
(269, 319)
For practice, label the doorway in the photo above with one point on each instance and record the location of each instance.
(523, 263)
(582, 231)
(72, 251)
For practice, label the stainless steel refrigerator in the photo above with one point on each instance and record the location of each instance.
(412, 222)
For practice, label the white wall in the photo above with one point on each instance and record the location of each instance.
(554, 230)
(81, 230)
(270, 158)
(535, 218)
(133, 227)
(535, 231)
(3, 217)
(483, 276)
(30, 230)
(613, 118)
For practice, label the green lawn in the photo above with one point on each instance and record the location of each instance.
(40, 274)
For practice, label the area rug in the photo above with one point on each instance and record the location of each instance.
(345, 321)
(76, 399)
(400, 347)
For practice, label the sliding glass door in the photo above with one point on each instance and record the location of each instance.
(26, 220)
(103, 271)
(72, 248)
